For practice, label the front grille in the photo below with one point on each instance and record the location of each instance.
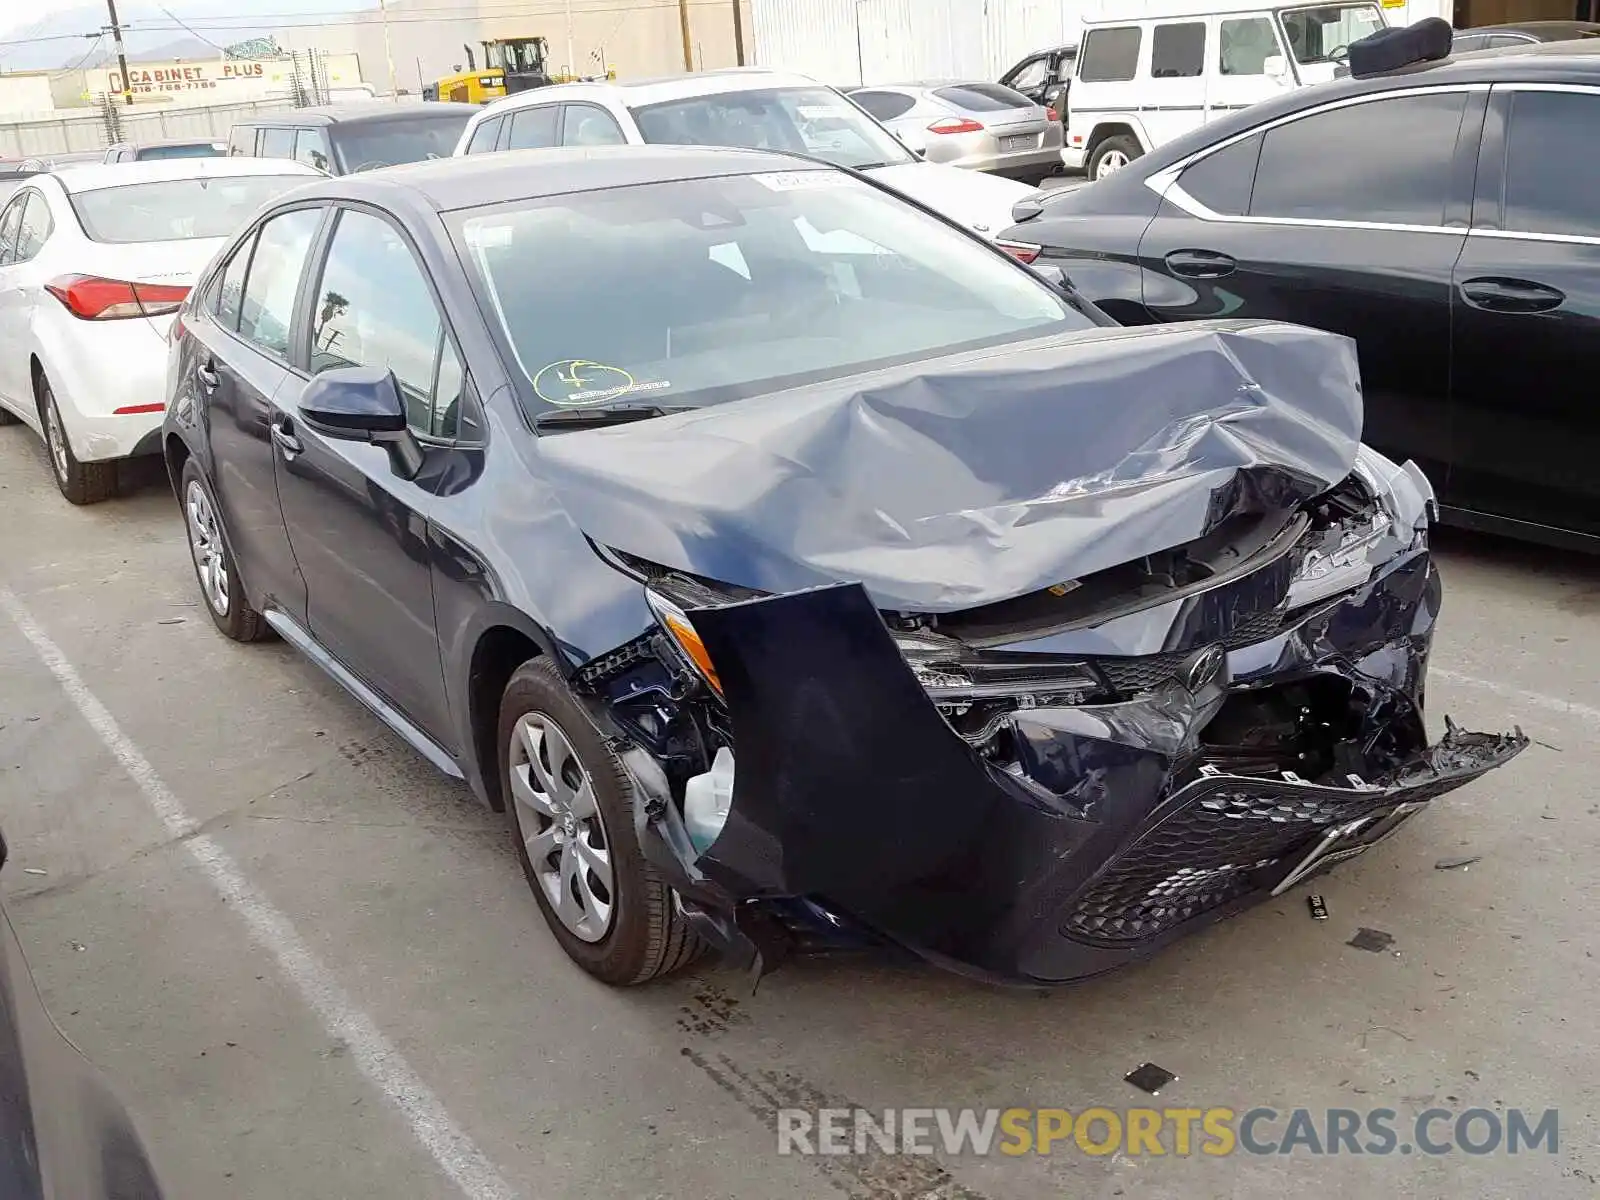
(1130, 676)
(1208, 854)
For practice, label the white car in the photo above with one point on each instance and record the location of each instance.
(753, 108)
(94, 261)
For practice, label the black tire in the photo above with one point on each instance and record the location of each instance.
(236, 619)
(1120, 144)
(80, 482)
(7, 417)
(647, 937)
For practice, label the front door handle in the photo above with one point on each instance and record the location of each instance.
(1511, 295)
(284, 436)
(208, 377)
(1201, 264)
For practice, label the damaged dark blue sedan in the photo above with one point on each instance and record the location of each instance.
(799, 571)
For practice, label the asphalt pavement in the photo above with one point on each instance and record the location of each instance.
(311, 966)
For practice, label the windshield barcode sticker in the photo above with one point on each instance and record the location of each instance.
(794, 181)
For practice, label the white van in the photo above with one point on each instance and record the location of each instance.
(1172, 65)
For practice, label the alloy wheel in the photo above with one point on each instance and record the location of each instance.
(562, 827)
(56, 440)
(1111, 164)
(205, 543)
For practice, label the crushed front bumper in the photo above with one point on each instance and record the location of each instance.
(1106, 837)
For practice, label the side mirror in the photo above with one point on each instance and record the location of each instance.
(1275, 67)
(363, 404)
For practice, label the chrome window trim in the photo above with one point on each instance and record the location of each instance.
(1164, 182)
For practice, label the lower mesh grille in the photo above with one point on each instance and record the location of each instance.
(1207, 854)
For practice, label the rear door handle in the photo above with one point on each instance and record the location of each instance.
(208, 377)
(284, 436)
(1511, 295)
(1201, 264)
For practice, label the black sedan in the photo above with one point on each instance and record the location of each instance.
(1443, 216)
(798, 569)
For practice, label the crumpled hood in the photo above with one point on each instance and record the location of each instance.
(976, 478)
(977, 200)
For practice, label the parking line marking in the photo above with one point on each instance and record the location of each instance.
(1571, 708)
(376, 1057)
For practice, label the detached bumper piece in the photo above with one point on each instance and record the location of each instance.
(1225, 838)
(1081, 837)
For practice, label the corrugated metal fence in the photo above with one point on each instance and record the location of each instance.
(881, 41)
(90, 129)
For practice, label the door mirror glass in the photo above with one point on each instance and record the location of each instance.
(1275, 67)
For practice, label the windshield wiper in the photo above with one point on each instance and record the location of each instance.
(599, 418)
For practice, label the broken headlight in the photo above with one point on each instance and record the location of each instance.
(951, 674)
(677, 625)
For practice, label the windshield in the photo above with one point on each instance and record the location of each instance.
(176, 210)
(699, 291)
(1324, 33)
(183, 150)
(814, 121)
(367, 145)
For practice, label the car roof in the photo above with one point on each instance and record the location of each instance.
(185, 141)
(446, 184)
(359, 111)
(662, 89)
(1166, 10)
(1553, 28)
(159, 170)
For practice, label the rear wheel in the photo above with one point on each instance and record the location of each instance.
(80, 482)
(1111, 155)
(571, 806)
(7, 417)
(213, 564)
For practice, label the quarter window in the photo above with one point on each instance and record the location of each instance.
(1178, 51)
(485, 136)
(1387, 160)
(374, 309)
(1553, 164)
(534, 128)
(1244, 46)
(266, 311)
(1222, 181)
(1110, 55)
(589, 125)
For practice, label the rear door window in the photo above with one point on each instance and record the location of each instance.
(35, 228)
(1110, 55)
(230, 287)
(10, 220)
(1178, 51)
(534, 128)
(886, 106)
(277, 143)
(1553, 164)
(1383, 161)
(485, 136)
(266, 310)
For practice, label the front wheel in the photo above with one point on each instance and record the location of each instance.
(571, 806)
(1111, 155)
(80, 482)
